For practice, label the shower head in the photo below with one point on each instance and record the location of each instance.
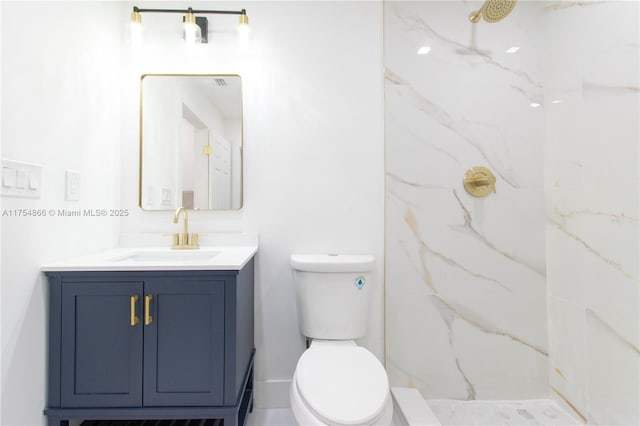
(493, 11)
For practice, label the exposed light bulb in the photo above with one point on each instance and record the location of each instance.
(191, 30)
(243, 29)
(136, 29)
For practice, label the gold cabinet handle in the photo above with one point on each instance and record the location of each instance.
(148, 319)
(134, 319)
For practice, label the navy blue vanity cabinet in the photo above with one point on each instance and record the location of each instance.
(101, 353)
(150, 345)
(184, 342)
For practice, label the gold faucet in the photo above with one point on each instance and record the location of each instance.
(184, 241)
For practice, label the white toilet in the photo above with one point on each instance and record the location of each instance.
(336, 382)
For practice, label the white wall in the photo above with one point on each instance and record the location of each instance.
(313, 153)
(60, 109)
(592, 193)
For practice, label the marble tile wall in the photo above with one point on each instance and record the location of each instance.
(465, 277)
(534, 290)
(592, 108)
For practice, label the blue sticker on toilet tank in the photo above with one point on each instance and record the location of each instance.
(360, 282)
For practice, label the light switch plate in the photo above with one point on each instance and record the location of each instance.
(166, 197)
(18, 179)
(9, 177)
(72, 192)
(22, 179)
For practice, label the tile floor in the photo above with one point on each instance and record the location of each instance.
(541, 412)
(271, 417)
(458, 413)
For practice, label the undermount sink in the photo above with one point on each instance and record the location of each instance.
(168, 256)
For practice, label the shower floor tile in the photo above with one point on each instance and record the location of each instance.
(498, 413)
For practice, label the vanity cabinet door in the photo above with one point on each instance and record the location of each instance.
(184, 341)
(101, 345)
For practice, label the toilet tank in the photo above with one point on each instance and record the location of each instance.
(333, 294)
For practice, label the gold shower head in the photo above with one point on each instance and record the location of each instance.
(493, 11)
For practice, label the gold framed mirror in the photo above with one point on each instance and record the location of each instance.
(191, 137)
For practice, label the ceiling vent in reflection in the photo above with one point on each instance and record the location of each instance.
(221, 82)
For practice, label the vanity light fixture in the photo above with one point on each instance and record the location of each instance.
(195, 28)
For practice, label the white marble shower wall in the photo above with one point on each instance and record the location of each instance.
(592, 100)
(534, 290)
(465, 276)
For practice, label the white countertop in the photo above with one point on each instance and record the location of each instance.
(207, 258)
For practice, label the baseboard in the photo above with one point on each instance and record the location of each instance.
(271, 394)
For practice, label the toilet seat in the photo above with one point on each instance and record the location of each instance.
(342, 383)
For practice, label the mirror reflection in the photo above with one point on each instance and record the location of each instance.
(190, 142)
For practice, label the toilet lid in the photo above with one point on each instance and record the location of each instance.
(345, 385)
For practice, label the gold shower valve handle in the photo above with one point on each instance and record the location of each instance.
(479, 181)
